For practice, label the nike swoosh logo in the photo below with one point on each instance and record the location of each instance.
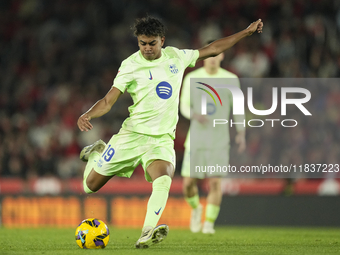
(158, 211)
(150, 78)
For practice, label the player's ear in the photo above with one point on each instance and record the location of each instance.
(221, 56)
(162, 40)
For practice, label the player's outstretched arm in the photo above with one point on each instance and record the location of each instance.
(225, 43)
(98, 109)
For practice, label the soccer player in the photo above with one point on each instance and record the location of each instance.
(217, 147)
(153, 76)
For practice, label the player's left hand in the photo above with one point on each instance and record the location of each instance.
(255, 26)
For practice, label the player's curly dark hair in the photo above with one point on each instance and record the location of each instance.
(149, 26)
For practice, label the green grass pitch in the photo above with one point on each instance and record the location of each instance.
(227, 240)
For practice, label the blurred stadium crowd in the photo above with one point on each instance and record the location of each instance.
(58, 57)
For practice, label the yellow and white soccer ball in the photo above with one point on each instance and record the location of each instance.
(92, 234)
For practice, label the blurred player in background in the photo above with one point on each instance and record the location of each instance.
(217, 147)
(153, 76)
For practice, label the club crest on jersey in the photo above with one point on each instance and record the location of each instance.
(211, 108)
(173, 68)
(164, 90)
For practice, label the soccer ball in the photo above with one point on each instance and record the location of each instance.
(92, 234)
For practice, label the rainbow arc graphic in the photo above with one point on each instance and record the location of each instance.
(208, 92)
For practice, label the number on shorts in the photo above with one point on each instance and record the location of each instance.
(108, 154)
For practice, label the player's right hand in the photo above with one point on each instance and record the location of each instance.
(84, 122)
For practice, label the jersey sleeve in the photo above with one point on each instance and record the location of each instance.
(188, 57)
(124, 77)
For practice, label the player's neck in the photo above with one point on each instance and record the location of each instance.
(211, 70)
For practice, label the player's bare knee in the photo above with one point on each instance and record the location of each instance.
(86, 188)
(214, 184)
(160, 168)
(188, 184)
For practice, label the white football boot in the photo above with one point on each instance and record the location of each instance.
(152, 236)
(98, 146)
(196, 219)
(208, 228)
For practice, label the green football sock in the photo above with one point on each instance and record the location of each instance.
(193, 201)
(157, 201)
(211, 212)
(93, 158)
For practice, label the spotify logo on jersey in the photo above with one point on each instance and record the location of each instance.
(164, 90)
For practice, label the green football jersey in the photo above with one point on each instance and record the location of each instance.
(216, 139)
(154, 87)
